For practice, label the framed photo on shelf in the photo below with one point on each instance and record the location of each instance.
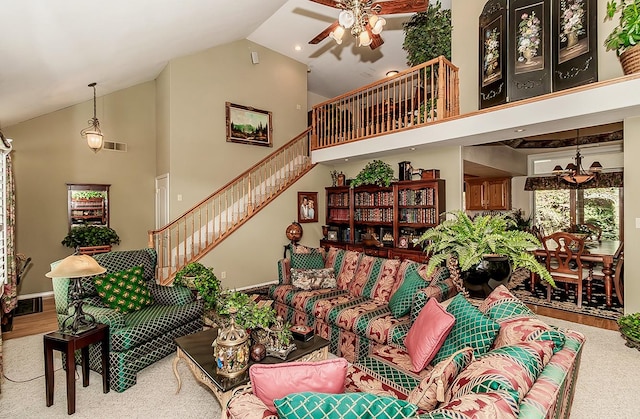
(307, 207)
(332, 235)
(247, 125)
(403, 242)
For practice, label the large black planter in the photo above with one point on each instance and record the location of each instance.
(491, 272)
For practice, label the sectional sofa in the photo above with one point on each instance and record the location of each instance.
(497, 360)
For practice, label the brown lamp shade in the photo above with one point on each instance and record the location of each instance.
(76, 266)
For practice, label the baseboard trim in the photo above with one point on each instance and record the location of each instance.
(45, 294)
(257, 285)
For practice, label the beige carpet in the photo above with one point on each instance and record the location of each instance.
(607, 385)
(154, 396)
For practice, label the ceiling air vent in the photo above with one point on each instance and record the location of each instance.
(113, 146)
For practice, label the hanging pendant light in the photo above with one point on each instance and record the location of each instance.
(574, 173)
(92, 133)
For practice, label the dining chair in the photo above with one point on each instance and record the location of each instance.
(563, 261)
(596, 232)
(618, 272)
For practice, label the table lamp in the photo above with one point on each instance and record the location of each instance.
(76, 267)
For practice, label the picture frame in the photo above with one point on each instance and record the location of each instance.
(308, 207)
(492, 77)
(529, 67)
(247, 125)
(574, 34)
(332, 235)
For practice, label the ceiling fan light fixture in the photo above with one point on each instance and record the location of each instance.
(377, 23)
(337, 34)
(346, 18)
(364, 39)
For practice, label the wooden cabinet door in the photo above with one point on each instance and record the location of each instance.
(474, 195)
(497, 194)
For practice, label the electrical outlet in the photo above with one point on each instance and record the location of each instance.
(223, 274)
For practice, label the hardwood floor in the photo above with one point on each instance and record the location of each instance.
(31, 324)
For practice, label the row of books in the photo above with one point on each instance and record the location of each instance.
(418, 215)
(373, 214)
(373, 198)
(416, 197)
(339, 199)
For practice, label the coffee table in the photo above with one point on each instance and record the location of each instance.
(196, 351)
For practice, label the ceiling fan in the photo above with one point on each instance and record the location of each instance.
(364, 18)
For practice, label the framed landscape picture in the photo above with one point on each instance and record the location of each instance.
(248, 125)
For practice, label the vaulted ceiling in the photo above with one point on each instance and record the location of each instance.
(51, 50)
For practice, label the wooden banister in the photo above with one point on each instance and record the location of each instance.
(415, 97)
(210, 221)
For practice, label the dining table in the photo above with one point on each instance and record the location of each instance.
(603, 252)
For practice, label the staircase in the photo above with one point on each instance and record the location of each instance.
(209, 222)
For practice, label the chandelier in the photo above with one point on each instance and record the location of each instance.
(361, 18)
(92, 133)
(574, 173)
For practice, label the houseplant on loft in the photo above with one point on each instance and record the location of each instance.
(625, 37)
(427, 35)
(482, 246)
(375, 172)
(91, 239)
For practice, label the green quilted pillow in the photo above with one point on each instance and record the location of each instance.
(472, 328)
(307, 261)
(343, 406)
(124, 291)
(401, 300)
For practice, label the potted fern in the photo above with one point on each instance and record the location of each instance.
(482, 246)
(630, 329)
(625, 37)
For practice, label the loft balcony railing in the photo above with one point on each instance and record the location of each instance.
(413, 98)
(213, 219)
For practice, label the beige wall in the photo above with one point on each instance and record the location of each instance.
(631, 214)
(49, 153)
(464, 46)
(250, 254)
(200, 158)
(163, 121)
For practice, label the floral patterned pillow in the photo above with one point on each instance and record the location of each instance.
(313, 279)
(432, 389)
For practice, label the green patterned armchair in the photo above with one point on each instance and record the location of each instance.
(139, 338)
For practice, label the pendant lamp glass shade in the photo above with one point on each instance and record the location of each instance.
(92, 133)
(337, 34)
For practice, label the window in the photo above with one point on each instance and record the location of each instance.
(556, 210)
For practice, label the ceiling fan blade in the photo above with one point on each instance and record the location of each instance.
(322, 35)
(376, 40)
(330, 3)
(399, 6)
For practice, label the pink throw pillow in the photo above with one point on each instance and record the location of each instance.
(428, 333)
(274, 381)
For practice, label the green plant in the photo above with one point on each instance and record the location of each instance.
(630, 326)
(627, 33)
(520, 222)
(249, 314)
(427, 35)
(88, 194)
(469, 240)
(85, 236)
(203, 280)
(375, 172)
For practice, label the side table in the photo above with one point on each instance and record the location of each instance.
(68, 344)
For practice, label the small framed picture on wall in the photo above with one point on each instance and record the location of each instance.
(307, 207)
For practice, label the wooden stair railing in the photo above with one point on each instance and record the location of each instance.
(213, 219)
(416, 97)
